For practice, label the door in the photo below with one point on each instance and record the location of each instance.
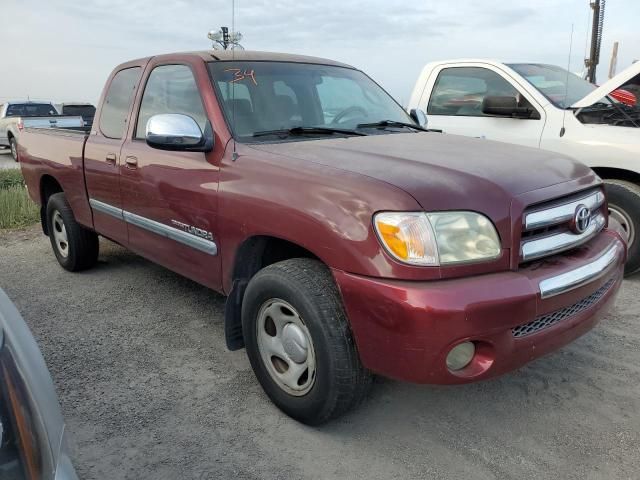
(455, 106)
(170, 198)
(102, 155)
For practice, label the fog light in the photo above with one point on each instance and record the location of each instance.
(460, 356)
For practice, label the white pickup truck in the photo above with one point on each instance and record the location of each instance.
(15, 116)
(544, 106)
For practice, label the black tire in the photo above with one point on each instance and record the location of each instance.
(624, 197)
(82, 245)
(13, 145)
(341, 382)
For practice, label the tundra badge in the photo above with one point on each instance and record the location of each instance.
(198, 232)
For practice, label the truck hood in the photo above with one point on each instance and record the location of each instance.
(609, 86)
(442, 172)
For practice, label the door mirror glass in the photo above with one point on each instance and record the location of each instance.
(174, 131)
(504, 106)
(419, 117)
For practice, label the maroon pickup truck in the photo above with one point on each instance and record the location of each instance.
(348, 240)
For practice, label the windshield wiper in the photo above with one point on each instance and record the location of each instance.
(391, 123)
(307, 130)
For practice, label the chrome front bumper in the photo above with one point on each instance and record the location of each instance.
(582, 275)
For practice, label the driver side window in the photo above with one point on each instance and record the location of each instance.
(459, 91)
(170, 89)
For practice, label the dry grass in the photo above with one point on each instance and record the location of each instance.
(16, 208)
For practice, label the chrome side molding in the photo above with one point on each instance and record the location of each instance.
(543, 247)
(562, 213)
(106, 208)
(175, 234)
(582, 275)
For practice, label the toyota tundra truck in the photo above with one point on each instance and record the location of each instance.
(348, 239)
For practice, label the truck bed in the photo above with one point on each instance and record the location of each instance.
(59, 151)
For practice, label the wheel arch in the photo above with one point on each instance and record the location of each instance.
(252, 255)
(48, 186)
(611, 173)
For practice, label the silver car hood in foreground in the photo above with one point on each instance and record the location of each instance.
(36, 391)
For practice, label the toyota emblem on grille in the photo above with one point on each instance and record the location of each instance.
(581, 219)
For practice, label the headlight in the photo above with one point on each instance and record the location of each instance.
(442, 238)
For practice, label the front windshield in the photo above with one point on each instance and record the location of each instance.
(551, 81)
(260, 97)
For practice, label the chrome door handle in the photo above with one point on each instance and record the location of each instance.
(111, 158)
(132, 162)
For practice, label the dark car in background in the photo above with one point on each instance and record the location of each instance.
(86, 110)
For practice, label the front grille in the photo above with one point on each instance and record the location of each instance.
(549, 319)
(551, 227)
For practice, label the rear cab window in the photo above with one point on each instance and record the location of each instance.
(31, 110)
(117, 103)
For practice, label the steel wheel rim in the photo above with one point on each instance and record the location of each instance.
(623, 219)
(60, 234)
(14, 150)
(286, 348)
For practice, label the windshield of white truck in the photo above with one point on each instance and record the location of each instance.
(560, 87)
(31, 110)
(263, 100)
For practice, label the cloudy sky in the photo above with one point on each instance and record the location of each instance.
(63, 50)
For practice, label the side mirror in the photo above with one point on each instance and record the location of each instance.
(504, 106)
(419, 117)
(174, 131)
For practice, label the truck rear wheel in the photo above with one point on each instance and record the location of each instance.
(299, 342)
(13, 145)
(75, 247)
(624, 207)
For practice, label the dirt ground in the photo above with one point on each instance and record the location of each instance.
(149, 391)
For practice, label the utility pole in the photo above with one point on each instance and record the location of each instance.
(614, 61)
(597, 26)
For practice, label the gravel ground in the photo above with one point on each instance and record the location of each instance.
(6, 161)
(149, 391)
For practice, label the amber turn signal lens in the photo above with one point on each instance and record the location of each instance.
(393, 239)
(407, 236)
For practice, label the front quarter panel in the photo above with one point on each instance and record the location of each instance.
(322, 209)
(594, 145)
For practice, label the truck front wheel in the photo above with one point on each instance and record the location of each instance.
(624, 207)
(75, 247)
(299, 342)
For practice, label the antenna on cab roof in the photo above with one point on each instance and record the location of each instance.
(234, 155)
(224, 40)
(566, 86)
